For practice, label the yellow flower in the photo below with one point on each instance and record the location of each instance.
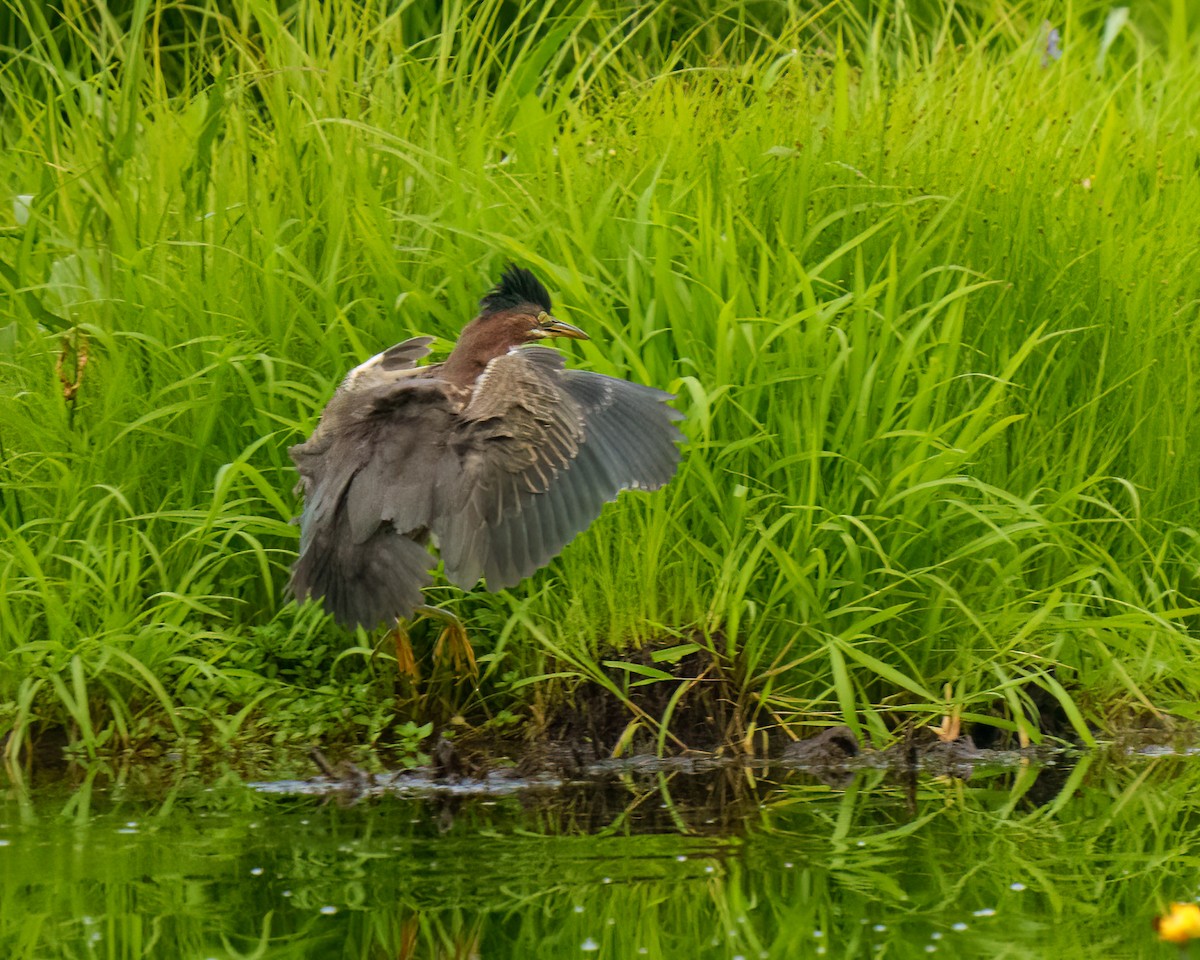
(1179, 924)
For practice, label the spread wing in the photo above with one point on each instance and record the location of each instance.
(367, 475)
(536, 454)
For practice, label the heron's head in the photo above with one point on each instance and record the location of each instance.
(517, 310)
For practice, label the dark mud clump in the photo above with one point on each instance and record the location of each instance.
(690, 706)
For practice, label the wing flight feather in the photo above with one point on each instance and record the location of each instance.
(570, 441)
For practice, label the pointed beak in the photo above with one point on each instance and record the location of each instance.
(552, 327)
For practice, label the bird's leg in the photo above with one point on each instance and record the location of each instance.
(452, 640)
(406, 661)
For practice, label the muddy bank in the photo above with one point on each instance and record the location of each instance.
(648, 715)
(693, 711)
(685, 716)
(710, 794)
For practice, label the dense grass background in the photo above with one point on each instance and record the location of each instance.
(928, 296)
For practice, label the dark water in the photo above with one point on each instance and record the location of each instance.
(1073, 859)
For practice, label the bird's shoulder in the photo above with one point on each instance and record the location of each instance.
(524, 377)
(387, 387)
(392, 394)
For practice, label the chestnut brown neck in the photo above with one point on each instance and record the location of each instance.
(481, 340)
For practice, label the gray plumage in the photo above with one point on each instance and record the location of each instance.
(499, 456)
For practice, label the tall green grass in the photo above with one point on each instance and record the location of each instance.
(928, 297)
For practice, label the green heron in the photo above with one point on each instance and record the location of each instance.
(497, 456)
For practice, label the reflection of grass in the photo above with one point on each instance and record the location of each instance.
(1092, 865)
(929, 306)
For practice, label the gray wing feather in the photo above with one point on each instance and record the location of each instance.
(367, 474)
(570, 441)
(616, 455)
(396, 361)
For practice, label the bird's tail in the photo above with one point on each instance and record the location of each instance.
(364, 584)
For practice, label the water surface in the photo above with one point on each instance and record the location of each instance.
(1071, 859)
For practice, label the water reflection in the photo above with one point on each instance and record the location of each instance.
(1057, 861)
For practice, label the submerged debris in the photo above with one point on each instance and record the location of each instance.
(693, 706)
(835, 745)
(827, 755)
